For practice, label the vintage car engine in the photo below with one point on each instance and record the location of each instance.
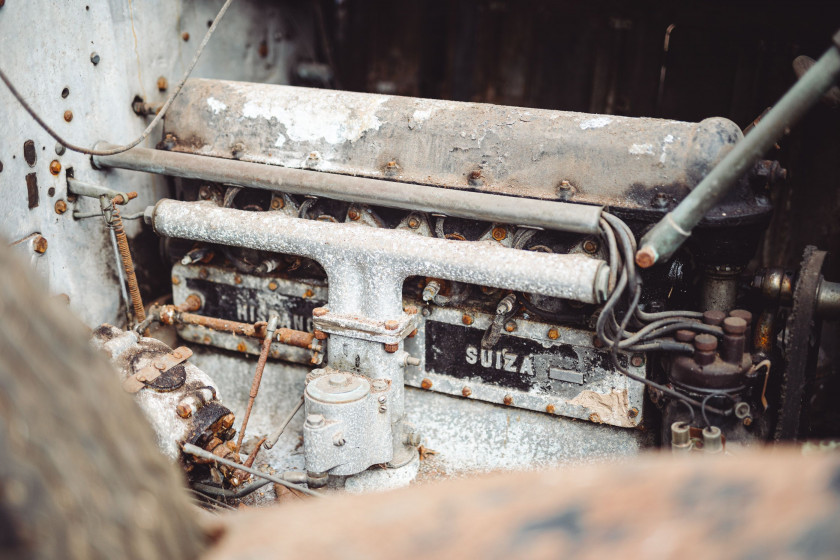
(357, 290)
(479, 251)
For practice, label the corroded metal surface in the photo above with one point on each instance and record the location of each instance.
(512, 150)
(655, 507)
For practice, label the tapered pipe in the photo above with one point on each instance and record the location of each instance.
(661, 242)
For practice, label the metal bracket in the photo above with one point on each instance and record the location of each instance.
(155, 369)
(386, 332)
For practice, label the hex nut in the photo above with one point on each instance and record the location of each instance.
(60, 207)
(39, 244)
(315, 421)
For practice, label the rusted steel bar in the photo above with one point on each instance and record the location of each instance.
(171, 315)
(255, 384)
(128, 264)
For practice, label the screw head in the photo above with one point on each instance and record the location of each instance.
(499, 233)
(277, 203)
(467, 319)
(510, 326)
(60, 207)
(637, 360)
(413, 223)
(272, 285)
(353, 215)
(660, 200)
(55, 167)
(553, 333)
(39, 245)
(94, 58)
(590, 246)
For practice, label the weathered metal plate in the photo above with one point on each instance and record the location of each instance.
(525, 369)
(228, 294)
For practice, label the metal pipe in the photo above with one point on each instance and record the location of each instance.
(385, 256)
(272, 439)
(562, 216)
(661, 242)
(199, 452)
(258, 374)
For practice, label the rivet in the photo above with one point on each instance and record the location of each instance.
(426, 383)
(55, 167)
(499, 233)
(94, 58)
(68, 115)
(162, 84)
(508, 400)
(550, 409)
(60, 207)
(185, 36)
(39, 245)
(272, 285)
(176, 280)
(467, 319)
(553, 333)
(466, 391)
(590, 246)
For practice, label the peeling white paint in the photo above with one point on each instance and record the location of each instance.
(421, 115)
(280, 140)
(318, 117)
(641, 149)
(215, 105)
(597, 122)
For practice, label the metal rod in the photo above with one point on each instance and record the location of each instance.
(120, 273)
(255, 383)
(199, 452)
(668, 235)
(128, 264)
(272, 439)
(171, 315)
(562, 216)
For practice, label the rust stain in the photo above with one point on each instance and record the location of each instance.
(610, 408)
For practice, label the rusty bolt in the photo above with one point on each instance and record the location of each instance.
(353, 215)
(510, 326)
(413, 223)
(748, 421)
(183, 410)
(391, 348)
(412, 334)
(55, 167)
(204, 192)
(392, 165)
(410, 309)
(466, 391)
(475, 178)
(203, 273)
(319, 334)
(553, 333)
(392, 325)
(272, 285)
(594, 418)
(68, 115)
(277, 203)
(40, 244)
(94, 58)
(565, 190)
(426, 383)
(508, 400)
(633, 412)
(590, 246)
(550, 409)
(237, 279)
(176, 280)
(637, 360)
(660, 200)
(60, 207)
(185, 36)
(319, 311)
(162, 84)
(499, 233)
(467, 319)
